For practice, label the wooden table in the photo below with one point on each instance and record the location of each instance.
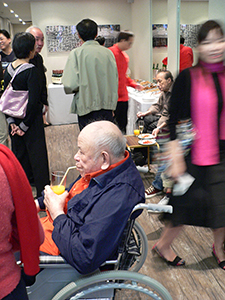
(132, 143)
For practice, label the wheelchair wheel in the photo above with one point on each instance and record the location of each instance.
(142, 242)
(122, 284)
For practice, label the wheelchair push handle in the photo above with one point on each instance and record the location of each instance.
(153, 207)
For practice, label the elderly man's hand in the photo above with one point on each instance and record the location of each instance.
(54, 203)
(155, 132)
(141, 114)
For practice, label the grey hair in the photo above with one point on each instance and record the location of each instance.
(110, 141)
(31, 27)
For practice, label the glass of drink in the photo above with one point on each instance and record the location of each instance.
(141, 125)
(56, 185)
(136, 132)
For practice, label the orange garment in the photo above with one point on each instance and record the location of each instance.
(49, 246)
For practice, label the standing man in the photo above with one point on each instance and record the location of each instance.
(91, 75)
(38, 62)
(125, 41)
(186, 56)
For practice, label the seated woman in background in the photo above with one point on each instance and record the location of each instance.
(17, 230)
(27, 134)
(7, 54)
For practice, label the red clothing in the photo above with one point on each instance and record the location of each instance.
(9, 271)
(122, 61)
(186, 58)
(19, 227)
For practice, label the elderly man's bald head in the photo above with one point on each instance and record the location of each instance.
(102, 143)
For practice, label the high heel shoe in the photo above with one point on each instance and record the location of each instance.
(177, 262)
(221, 264)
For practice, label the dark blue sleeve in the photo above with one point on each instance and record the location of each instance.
(87, 246)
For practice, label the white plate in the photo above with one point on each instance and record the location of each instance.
(146, 142)
(145, 136)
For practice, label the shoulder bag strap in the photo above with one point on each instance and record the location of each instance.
(18, 70)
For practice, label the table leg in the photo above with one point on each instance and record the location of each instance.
(148, 159)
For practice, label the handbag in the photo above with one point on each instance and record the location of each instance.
(14, 103)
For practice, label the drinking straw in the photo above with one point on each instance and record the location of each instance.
(74, 167)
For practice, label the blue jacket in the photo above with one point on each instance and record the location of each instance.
(91, 231)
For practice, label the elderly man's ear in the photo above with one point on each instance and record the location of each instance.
(105, 160)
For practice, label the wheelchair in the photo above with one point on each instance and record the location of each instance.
(116, 280)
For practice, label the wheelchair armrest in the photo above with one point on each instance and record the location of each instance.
(51, 261)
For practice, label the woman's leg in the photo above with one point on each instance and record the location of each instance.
(219, 238)
(166, 239)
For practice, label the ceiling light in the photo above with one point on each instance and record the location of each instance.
(16, 16)
(5, 4)
(20, 20)
(12, 11)
(24, 23)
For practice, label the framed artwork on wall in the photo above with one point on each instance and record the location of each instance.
(62, 38)
(188, 31)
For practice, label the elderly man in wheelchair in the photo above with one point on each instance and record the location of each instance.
(85, 225)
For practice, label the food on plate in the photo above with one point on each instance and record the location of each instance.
(145, 136)
(147, 142)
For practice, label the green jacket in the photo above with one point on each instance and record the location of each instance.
(91, 74)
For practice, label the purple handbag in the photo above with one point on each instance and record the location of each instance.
(14, 103)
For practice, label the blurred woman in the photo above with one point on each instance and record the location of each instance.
(7, 54)
(27, 134)
(20, 229)
(199, 94)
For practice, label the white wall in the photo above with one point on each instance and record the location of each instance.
(70, 13)
(141, 49)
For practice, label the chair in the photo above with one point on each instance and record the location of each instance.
(56, 279)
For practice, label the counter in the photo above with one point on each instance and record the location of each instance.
(59, 106)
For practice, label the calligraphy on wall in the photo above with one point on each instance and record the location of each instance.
(62, 38)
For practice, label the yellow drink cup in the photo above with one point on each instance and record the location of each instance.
(136, 131)
(57, 186)
(58, 189)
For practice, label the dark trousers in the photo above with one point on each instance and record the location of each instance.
(19, 293)
(98, 115)
(121, 115)
(31, 151)
(150, 123)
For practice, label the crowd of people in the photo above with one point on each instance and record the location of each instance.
(109, 185)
